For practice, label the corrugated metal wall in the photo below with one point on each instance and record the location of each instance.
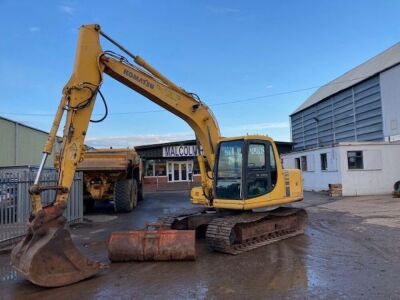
(21, 145)
(354, 114)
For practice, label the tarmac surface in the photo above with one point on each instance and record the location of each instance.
(351, 250)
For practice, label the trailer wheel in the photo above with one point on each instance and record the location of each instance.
(125, 195)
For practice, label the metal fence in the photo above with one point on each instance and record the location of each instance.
(15, 205)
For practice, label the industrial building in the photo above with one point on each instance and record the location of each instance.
(346, 132)
(22, 144)
(173, 166)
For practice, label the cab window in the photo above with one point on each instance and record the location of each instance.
(256, 156)
(257, 174)
(272, 164)
(229, 170)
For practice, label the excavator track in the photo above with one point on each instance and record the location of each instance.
(237, 233)
(240, 233)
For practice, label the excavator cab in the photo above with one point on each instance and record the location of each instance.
(248, 174)
(245, 168)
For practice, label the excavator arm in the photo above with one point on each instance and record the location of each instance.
(47, 240)
(79, 97)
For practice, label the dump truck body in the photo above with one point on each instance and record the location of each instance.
(112, 174)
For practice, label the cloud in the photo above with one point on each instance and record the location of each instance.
(137, 140)
(222, 10)
(66, 9)
(33, 29)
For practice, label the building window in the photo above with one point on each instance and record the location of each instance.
(324, 162)
(355, 160)
(170, 171)
(304, 163)
(161, 169)
(190, 171)
(297, 163)
(150, 168)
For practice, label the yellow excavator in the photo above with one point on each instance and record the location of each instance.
(238, 175)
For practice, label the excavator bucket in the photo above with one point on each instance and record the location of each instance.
(152, 245)
(47, 256)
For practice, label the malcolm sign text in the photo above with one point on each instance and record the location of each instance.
(181, 151)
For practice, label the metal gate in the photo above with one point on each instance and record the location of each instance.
(15, 205)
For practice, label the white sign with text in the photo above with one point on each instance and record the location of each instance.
(181, 151)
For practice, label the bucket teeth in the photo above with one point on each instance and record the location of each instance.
(47, 256)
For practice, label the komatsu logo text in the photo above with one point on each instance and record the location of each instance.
(144, 82)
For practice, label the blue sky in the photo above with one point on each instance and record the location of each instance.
(222, 50)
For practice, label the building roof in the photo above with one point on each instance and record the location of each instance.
(383, 61)
(187, 142)
(27, 126)
(22, 124)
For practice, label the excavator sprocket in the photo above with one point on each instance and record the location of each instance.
(243, 232)
(47, 256)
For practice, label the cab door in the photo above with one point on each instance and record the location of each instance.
(257, 180)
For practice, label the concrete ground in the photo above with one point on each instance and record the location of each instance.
(351, 250)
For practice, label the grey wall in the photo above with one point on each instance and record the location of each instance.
(22, 145)
(390, 90)
(354, 114)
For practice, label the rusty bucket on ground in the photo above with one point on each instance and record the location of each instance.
(47, 256)
(154, 243)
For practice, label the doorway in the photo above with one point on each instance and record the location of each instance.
(180, 171)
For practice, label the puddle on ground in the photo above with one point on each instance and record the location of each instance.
(181, 211)
(97, 231)
(7, 273)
